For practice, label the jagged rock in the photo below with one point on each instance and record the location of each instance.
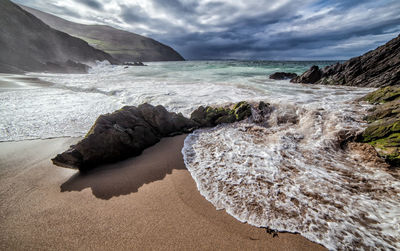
(383, 132)
(212, 116)
(310, 77)
(376, 68)
(282, 75)
(135, 64)
(128, 131)
(122, 134)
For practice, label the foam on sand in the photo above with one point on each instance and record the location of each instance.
(289, 173)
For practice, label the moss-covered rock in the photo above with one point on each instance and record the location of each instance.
(385, 111)
(211, 116)
(383, 131)
(128, 131)
(242, 110)
(383, 95)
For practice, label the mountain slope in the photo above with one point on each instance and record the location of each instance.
(376, 68)
(122, 45)
(28, 44)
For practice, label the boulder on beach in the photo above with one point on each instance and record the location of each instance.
(282, 75)
(122, 134)
(376, 68)
(127, 132)
(383, 131)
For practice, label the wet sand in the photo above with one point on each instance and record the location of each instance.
(18, 81)
(148, 202)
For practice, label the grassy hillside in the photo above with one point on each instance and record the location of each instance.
(28, 44)
(123, 45)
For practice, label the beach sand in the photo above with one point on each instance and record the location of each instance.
(147, 202)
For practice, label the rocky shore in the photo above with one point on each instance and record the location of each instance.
(282, 75)
(128, 131)
(383, 131)
(376, 68)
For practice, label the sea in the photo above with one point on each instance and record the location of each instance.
(284, 170)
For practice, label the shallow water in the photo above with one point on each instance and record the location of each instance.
(283, 169)
(290, 173)
(54, 105)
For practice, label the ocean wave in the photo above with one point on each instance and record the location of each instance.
(88, 90)
(287, 171)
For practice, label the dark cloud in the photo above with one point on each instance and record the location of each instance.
(93, 4)
(352, 36)
(134, 14)
(251, 29)
(177, 7)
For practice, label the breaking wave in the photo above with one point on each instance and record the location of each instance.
(286, 169)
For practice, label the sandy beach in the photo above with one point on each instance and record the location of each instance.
(148, 202)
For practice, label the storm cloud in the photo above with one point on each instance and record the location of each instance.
(245, 29)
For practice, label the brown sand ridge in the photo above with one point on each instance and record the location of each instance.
(147, 202)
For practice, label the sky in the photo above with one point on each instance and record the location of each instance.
(244, 29)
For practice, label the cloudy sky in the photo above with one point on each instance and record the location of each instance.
(244, 29)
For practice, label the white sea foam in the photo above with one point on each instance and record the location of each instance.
(285, 171)
(289, 173)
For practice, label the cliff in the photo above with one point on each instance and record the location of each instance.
(28, 44)
(123, 45)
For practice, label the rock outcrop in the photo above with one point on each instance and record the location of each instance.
(383, 131)
(377, 68)
(128, 131)
(134, 64)
(124, 133)
(28, 44)
(122, 45)
(282, 75)
(310, 77)
(212, 116)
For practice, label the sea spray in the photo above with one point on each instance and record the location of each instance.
(290, 173)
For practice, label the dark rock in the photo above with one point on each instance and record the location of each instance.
(376, 68)
(262, 105)
(212, 116)
(122, 134)
(134, 64)
(128, 131)
(242, 110)
(282, 75)
(383, 131)
(309, 77)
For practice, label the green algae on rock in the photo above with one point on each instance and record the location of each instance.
(383, 95)
(212, 116)
(383, 131)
